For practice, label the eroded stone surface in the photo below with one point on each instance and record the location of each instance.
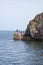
(35, 27)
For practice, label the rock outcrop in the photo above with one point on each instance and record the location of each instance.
(18, 35)
(35, 27)
(34, 30)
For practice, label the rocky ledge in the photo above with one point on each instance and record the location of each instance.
(34, 30)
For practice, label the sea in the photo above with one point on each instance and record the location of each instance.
(17, 52)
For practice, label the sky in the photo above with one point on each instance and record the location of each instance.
(16, 14)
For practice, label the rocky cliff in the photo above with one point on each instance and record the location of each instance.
(34, 30)
(35, 27)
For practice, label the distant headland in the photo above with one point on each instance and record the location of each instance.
(34, 30)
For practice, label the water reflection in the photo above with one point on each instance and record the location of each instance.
(36, 45)
(21, 53)
(36, 52)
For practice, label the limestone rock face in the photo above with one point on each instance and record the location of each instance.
(35, 27)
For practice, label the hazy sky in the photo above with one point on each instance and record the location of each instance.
(16, 14)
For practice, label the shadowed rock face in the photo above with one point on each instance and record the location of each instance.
(35, 27)
(27, 32)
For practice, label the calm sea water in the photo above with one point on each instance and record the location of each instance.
(19, 52)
